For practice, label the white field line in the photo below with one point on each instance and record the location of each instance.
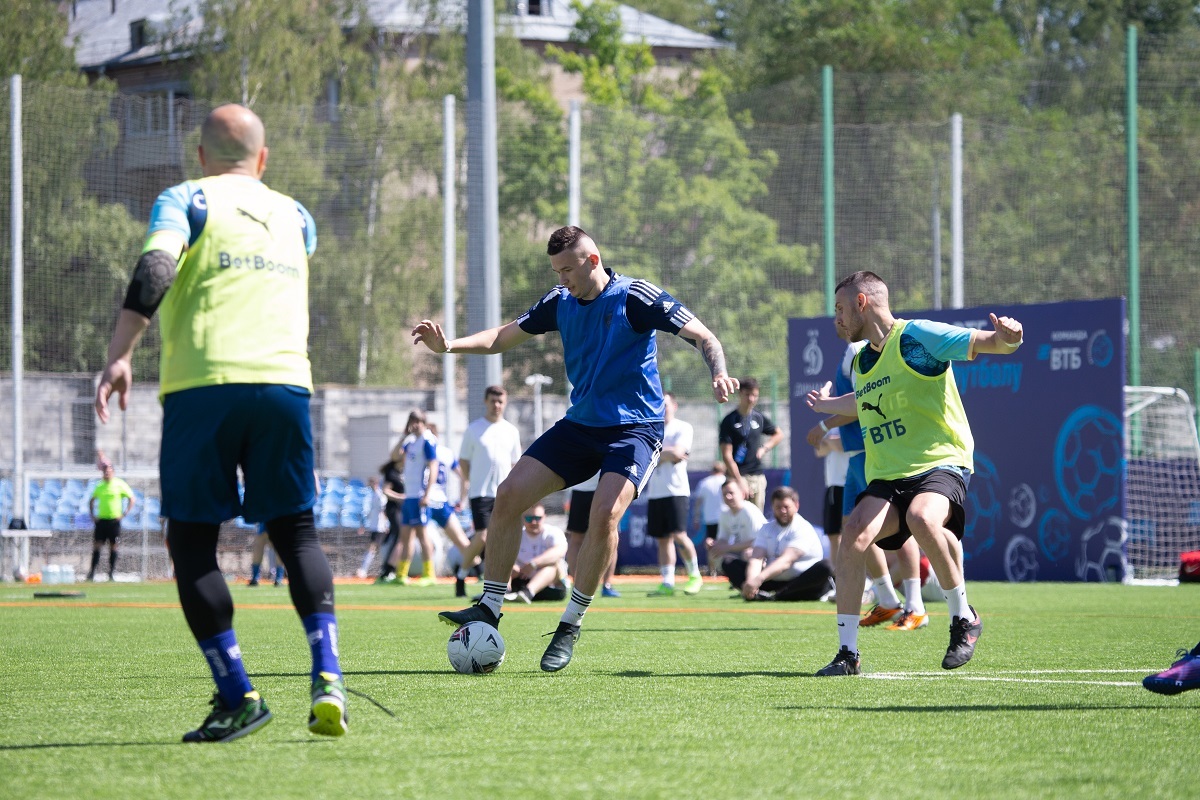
(1001, 678)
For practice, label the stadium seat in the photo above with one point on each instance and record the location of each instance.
(83, 521)
(356, 484)
(61, 522)
(39, 522)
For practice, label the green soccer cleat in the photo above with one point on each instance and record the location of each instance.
(225, 724)
(663, 590)
(694, 585)
(328, 716)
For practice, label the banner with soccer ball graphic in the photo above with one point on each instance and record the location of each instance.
(1047, 499)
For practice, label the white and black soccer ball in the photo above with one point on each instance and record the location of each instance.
(475, 648)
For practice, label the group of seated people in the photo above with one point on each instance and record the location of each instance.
(777, 559)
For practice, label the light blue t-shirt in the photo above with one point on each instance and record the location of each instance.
(927, 347)
(177, 210)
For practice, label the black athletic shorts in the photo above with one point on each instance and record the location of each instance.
(581, 509)
(665, 516)
(710, 531)
(481, 512)
(833, 510)
(107, 530)
(950, 482)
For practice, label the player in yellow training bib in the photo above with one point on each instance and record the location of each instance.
(226, 260)
(918, 451)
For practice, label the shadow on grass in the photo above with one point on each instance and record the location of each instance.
(989, 707)
(641, 673)
(698, 629)
(52, 745)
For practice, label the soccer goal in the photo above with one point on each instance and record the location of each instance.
(1162, 455)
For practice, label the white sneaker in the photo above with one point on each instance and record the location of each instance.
(362, 573)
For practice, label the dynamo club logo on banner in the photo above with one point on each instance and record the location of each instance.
(1047, 497)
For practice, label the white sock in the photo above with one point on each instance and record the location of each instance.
(576, 608)
(668, 575)
(368, 557)
(912, 596)
(692, 567)
(493, 595)
(885, 593)
(848, 631)
(956, 601)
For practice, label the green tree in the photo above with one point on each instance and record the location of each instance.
(671, 191)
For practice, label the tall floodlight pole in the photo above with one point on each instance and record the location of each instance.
(1131, 147)
(574, 148)
(18, 299)
(956, 212)
(827, 172)
(449, 260)
(483, 198)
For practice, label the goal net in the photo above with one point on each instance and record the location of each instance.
(1162, 455)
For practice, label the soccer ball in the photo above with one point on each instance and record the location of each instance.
(475, 648)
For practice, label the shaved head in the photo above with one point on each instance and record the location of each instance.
(571, 238)
(232, 135)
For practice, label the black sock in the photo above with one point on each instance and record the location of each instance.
(310, 580)
(95, 561)
(203, 593)
(112, 560)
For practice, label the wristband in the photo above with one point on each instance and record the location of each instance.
(1011, 346)
(823, 426)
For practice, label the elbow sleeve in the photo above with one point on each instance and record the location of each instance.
(153, 276)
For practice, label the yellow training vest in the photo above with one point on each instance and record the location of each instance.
(238, 309)
(911, 422)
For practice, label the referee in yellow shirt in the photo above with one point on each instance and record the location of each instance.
(108, 508)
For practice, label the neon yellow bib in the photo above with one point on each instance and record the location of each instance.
(911, 422)
(238, 310)
(110, 498)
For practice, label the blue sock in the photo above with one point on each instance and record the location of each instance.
(225, 660)
(279, 574)
(255, 571)
(322, 638)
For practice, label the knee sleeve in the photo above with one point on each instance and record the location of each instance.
(310, 580)
(207, 604)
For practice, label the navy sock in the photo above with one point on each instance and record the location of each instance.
(255, 571)
(323, 640)
(225, 660)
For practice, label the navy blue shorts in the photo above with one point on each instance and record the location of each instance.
(575, 452)
(441, 514)
(413, 514)
(209, 431)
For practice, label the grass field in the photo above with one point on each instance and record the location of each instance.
(705, 697)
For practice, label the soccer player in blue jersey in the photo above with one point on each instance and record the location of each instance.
(226, 258)
(607, 323)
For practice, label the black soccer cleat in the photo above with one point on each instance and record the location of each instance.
(963, 635)
(475, 613)
(844, 663)
(225, 723)
(558, 654)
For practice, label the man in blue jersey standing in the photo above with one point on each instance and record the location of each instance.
(607, 323)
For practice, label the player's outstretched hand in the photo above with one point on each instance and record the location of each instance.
(818, 396)
(431, 334)
(1008, 330)
(117, 377)
(725, 387)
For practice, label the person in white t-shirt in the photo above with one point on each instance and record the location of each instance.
(491, 446)
(375, 522)
(708, 504)
(541, 566)
(786, 561)
(667, 512)
(577, 525)
(736, 529)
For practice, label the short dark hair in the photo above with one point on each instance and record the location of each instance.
(564, 239)
(866, 282)
(747, 384)
(785, 492)
(494, 389)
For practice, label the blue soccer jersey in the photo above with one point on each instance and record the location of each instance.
(610, 348)
(843, 383)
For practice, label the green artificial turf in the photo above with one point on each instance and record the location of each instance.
(684, 697)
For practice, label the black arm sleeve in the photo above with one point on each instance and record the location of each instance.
(152, 277)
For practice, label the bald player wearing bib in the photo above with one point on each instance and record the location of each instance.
(226, 263)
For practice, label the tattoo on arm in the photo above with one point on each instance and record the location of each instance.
(713, 355)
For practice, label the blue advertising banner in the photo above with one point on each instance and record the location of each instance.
(1047, 499)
